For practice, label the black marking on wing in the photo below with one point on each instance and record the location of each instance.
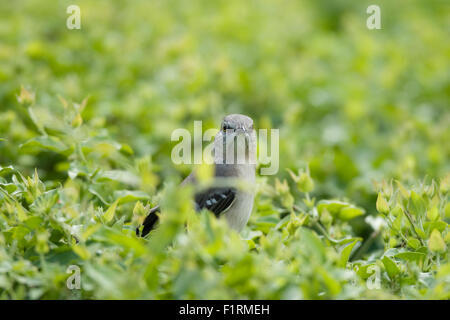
(149, 222)
(216, 200)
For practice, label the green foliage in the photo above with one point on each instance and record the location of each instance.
(362, 195)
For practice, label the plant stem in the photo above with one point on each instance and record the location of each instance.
(413, 227)
(317, 224)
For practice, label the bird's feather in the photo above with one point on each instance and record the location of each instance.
(149, 222)
(216, 200)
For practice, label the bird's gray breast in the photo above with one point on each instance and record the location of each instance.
(238, 213)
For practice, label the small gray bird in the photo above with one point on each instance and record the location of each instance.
(234, 159)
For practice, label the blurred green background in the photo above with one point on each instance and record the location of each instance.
(356, 106)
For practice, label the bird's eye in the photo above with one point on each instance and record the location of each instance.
(227, 126)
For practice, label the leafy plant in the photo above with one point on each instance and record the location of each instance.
(359, 209)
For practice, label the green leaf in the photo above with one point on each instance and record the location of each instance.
(76, 169)
(45, 201)
(345, 254)
(265, 223)
(410, 256)
(447, 210)
(350, 212)
(109, 214)
(339, 209)
(439, 225)
(6, 170)
(436, 243)
(333, 206)
(305, 183)
(403, 191)
(21, 214)
(313, 244)
(34, 222)
(127, 242)
(123, 176)
(9, 187)
(124, 196)
(35, 120)
(81, 251)
(418, 204)
(433, 214)
(90, 231)
(420, 232)
(44, 142)
(382, 205)
(391, 267)
(413, 243)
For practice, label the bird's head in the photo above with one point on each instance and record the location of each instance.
(234, 123)
(236, 138)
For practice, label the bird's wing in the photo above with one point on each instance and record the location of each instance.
(216, 200)
(149, 222)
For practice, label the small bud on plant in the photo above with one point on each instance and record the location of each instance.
(140, 212)
(382, 205)
(77, 121)
(445, 184)
(326, 218)
(26, 97)
(447, 210)
(433, 214)
(436, 243)
(41, 242)
(305, 183)
(282, 189)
